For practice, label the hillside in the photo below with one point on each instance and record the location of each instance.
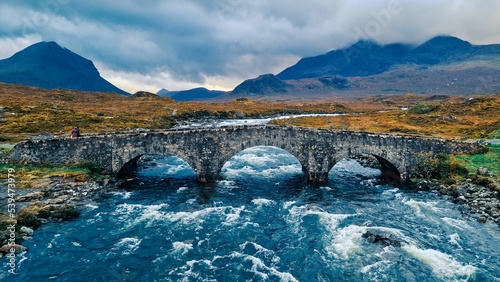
(49, 66)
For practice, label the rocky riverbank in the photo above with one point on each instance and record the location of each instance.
(58, 200)
(479, 197)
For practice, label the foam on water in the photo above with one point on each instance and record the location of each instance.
(287, 204)
(421, 208)
(188, 272)
(347, 242)
(282, 170)
(263, 202)
(253, 159)
(167, 167)
(457, 223)
(267, 162)
(182, 189)
(260, 251)
(127, 245)
(349, 166)
(181, 248)
(454, 240)
(443, 265)
(263, 271)
(377, 267)
(139, 213)
(226, 214)
(91, 206)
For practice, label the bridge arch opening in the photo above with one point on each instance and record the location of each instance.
(347, 167)
(366, 166)
(157, 167)
(262, 163)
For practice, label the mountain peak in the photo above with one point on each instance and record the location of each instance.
(264, 84)
(439, 49)
(365, 58)
(48, 65)
(447, 40)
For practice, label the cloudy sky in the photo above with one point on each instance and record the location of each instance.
(182, 44)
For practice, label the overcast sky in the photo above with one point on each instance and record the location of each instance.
(182, 44)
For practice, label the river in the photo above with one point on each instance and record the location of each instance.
(263, 222)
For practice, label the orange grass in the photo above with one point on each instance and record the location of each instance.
(29, 111)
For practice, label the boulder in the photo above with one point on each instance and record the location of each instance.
(30, 197)
(382, 238)
(26, 230)
(5, 249)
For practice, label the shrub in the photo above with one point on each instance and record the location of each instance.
(65, 212)
(28, 217)
(442, 167)
(422, 108)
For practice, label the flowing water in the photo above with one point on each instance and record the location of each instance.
(263, 222)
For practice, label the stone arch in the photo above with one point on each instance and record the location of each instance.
(130, 167)
(125, 162)
(280, 144)
(390, 172)
(228, 157)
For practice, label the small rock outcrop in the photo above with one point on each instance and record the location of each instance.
(143, 94)
(381, 238)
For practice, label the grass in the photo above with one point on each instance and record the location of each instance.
(28, 176)
(30, 111)
(489, 160)
(495, 134)
(455, 118)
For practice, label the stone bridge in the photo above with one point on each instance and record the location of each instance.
(206, 150)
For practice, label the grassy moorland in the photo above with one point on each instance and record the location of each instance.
(449, 117)
(30, 111)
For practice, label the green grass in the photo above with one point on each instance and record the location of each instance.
(489, 160)
(495, 134)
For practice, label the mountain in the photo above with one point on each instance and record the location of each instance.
(200, 93)
(164, 93)
(264, 84)
(361, 59)
(441, 65)
(369, 58)
(48, 65)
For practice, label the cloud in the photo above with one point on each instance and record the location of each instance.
(180, 44)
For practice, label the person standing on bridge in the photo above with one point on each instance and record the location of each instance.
(75, 133)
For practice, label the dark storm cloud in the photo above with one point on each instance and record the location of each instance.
(178, 44)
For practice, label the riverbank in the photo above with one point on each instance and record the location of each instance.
(52, 200)
(476, 201)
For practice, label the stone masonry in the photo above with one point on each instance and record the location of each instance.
(206, 150)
